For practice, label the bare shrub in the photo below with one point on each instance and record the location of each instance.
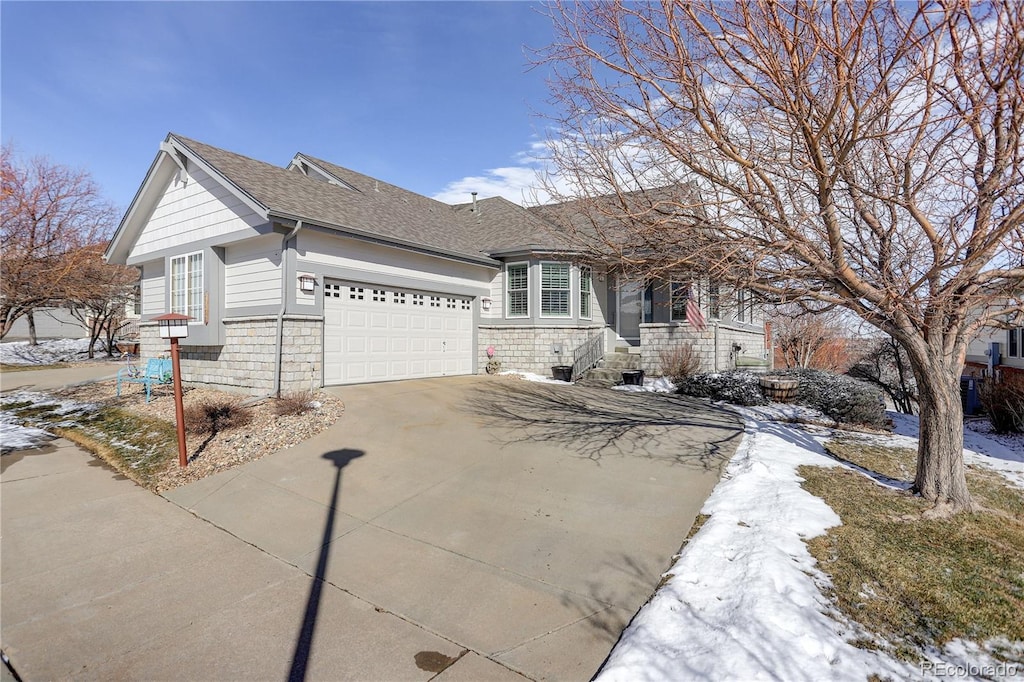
(296, 403)
(1003, 401)
(679, 362)
(214, 416)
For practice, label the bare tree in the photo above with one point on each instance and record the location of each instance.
(813, 340)
(48, 213)
(886, 365)
(99, 294)
(860, 155)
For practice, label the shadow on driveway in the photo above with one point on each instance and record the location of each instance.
(597, 423)
(304, 641)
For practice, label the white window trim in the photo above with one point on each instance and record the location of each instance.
(671, 303)
(508, 299)
(202, 284)
(711, 314)
(590, 294)
(540, 291)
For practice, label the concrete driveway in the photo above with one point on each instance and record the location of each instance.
(486, 527)
(525, 522)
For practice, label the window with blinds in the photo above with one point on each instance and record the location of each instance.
(517, 289)
(554, 290)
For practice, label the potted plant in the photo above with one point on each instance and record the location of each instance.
(493, 363)
(561, 372)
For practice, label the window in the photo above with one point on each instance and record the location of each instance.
(680, 296)
(517, 279)
(586, 280)
(714, 303)
(554, 290)
(742, 306)
(187, 286)
(1013, 342)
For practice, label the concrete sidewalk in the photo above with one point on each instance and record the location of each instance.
(58, 377)
(104, 580)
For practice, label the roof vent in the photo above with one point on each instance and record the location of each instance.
(474, 208)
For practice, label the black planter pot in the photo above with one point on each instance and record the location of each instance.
(633, 377)
(561, 372)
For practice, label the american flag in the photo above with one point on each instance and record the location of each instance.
(693, 314)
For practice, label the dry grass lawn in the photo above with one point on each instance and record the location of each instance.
(919, 582)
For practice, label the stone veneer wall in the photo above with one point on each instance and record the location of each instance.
(656, 337)
(245, 363)
(528, 349)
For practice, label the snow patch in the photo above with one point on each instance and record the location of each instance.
(745, 599)
(49, 352)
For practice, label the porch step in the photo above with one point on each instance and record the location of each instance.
(620, 361)
(609, 371)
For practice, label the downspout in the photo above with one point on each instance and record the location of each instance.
(279, 337)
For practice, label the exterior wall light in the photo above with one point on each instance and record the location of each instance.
(307, 283)
(485, 302)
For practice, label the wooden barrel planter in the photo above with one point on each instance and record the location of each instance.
(779, 390)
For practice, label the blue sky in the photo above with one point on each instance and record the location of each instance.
(438, 98)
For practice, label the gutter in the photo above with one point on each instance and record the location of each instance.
(279, 336)
(391, 241)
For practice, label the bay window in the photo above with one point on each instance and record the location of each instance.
(586, 286)
(554, 290)
(517, 289)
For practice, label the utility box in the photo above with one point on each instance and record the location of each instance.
(969, 397)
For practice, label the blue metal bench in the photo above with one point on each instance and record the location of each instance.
(158, 371)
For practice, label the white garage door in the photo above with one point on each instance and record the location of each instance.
(372, 333)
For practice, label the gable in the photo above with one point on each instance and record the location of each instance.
(199, 209)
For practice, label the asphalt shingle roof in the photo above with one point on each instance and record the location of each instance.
(373, 208)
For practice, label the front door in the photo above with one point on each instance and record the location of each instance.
(630, 311)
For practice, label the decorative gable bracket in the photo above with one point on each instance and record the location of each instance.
(179, 159)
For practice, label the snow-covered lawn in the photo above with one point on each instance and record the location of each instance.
(47, 352)
(15, 436)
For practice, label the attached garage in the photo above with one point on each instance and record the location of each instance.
(376, 333)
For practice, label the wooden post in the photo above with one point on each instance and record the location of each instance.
(179, 408)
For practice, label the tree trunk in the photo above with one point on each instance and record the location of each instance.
(941, 477)
(94, 335)
(31, 319)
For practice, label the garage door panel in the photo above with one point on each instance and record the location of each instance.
(355, 319)
(378, 334)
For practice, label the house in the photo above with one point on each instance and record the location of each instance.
(996, 350)
(312, 274)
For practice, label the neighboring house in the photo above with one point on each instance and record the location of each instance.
(996, 350)
(315, 275)
(51, 323)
